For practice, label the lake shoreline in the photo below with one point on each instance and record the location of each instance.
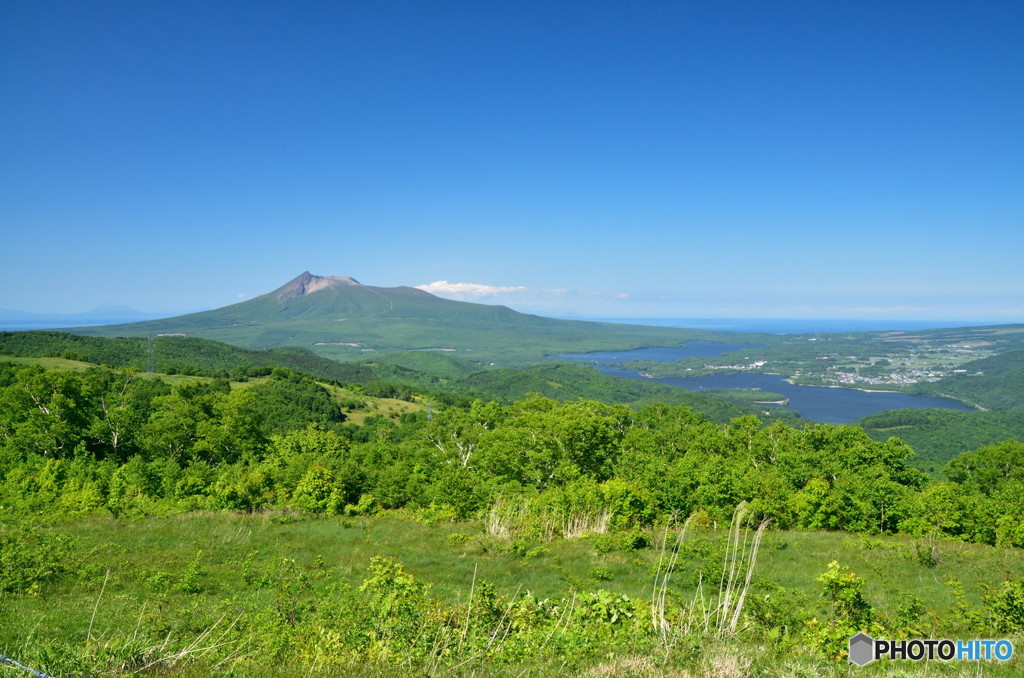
(831, 404)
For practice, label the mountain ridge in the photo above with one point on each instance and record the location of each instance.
(343, 319)
(307, 283)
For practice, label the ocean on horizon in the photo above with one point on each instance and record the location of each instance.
(795, 326)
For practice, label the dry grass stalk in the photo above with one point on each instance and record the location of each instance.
(580, 524)
(737, 572)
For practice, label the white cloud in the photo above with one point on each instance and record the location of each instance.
(529, 299)
(468, 291)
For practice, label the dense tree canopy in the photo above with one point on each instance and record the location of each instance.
(115, 440)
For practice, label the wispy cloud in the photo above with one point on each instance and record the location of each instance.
(574, 302)
(552, 300)
(469, 291)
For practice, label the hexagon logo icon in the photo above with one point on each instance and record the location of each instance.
(862, 649)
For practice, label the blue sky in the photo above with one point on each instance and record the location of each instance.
(674, 159)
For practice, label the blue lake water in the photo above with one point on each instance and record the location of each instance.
(703, 349)
(818, 403)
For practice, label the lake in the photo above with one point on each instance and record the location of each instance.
(819, 403)
(693, 349)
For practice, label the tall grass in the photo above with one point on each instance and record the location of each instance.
(722, 615)
(521, 516)
(731, 591)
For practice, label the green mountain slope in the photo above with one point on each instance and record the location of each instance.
(342, 319)
(940, 435)
(392, 375)
(434, 363)
(578, 382)
(995, 383)
(177, 355)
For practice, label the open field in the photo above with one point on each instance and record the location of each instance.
(168, 580)
(49, 363)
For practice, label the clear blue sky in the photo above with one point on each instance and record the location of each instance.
(689, 159)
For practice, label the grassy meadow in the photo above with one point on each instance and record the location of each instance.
(238, 593)
(235, 517)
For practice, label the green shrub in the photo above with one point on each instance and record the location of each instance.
(632, 540)
(537, 551)
(849, 612)
(29, 558)
(314, 490)
(1010, 531)
(926, 554)
(188, 582)
(456, 538)
(910, 619)
(367, 506)
(604, 543)
(86, 499)
(518, 546)
(1004, 606)
(437, 513)
(780, 614)
(605, 606)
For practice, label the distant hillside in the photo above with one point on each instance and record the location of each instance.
(998, 338)
(578, 382)
(438, 364)
(995, 383)
(340, 318)
(176, 355)
(394, 375)
(939, 435)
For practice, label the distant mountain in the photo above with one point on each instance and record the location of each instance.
(341, 318)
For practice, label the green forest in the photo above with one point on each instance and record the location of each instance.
(266, 513)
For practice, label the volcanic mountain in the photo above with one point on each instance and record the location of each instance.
(341, 318)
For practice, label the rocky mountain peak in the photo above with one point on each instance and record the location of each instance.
(307, 283)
